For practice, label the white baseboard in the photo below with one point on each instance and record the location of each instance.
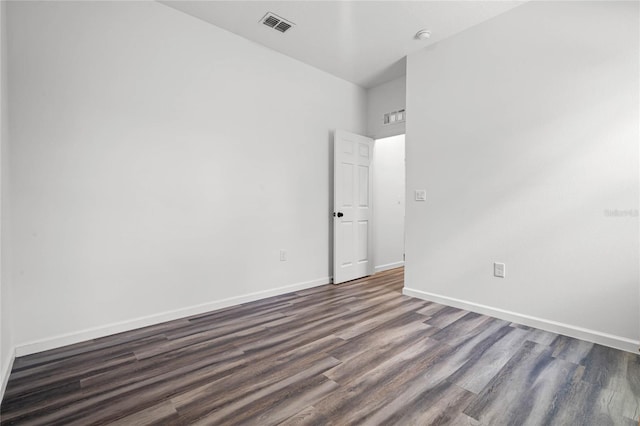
(119, 327)
(388, 266)
(605, 339)
(6, 372)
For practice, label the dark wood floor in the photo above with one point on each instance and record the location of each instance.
(358, 353)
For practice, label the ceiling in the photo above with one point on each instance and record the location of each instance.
(364, 42)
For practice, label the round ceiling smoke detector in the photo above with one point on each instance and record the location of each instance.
(423, 35)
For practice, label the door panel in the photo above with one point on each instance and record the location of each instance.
(363, 241)
(363, 186)
(352, 207)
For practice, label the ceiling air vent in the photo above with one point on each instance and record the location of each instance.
(272, 20)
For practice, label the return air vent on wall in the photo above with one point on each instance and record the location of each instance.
(395, 117)
(272, 20)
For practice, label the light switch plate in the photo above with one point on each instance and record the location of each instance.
(421, 195)
(498, 270)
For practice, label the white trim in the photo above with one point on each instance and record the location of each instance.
(119, 327)
(605, 339)
(6, 373)
(388, 266)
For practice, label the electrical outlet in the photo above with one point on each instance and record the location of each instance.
(283, 255)
(499, 270)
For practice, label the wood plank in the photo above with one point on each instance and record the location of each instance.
(355, 353)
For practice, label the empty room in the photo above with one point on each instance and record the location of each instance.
(320, 212)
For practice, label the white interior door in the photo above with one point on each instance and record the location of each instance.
(352, 211)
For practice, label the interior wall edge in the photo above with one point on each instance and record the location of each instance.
(605, 339)
(6, 372)
(54, 342)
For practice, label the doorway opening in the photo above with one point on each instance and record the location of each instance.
(389, 192)
(369, 205)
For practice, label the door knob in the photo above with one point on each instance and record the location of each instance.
(339, 214)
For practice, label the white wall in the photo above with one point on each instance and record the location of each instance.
(6, 332)
(159, 163)
(388, 202)
(524, 132)
(387, 97)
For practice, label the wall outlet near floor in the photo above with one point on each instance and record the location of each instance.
(283, 255)
(498, 270)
